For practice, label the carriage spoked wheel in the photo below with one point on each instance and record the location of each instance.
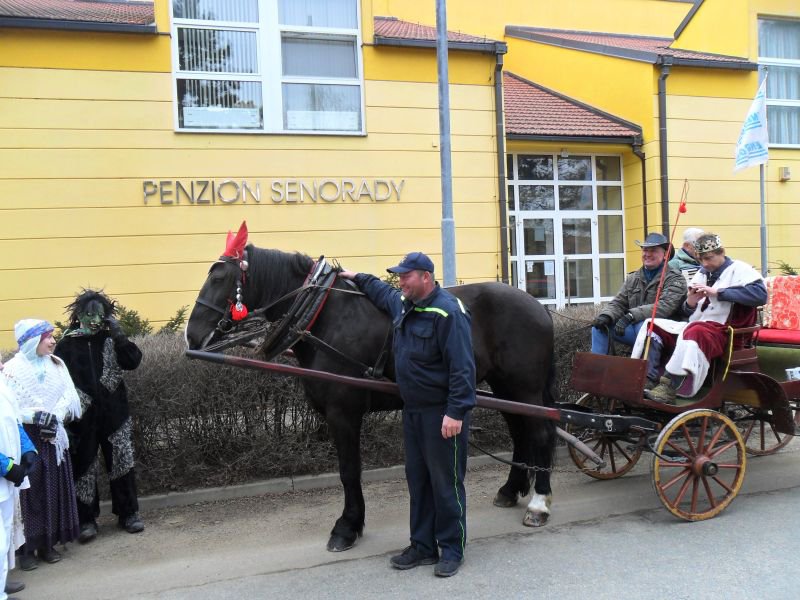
(613, 449)
(760, 437)
(698, 464)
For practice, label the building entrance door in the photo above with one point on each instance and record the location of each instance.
(566, 231)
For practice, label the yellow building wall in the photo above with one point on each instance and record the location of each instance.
(705, 113)
(731, 26)
(615, 85)
(77, 142)
(720, 27)
(482, 18)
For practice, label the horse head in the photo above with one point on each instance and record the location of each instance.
(221, 301)
(243, 281)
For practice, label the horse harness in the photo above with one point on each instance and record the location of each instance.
(295, 325)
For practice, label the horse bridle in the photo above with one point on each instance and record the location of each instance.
(226, 324)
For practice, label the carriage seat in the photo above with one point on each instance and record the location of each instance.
(781, 315)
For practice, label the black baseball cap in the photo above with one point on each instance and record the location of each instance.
(413, 261)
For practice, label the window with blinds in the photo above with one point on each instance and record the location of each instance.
(779, 54)
(268, 65)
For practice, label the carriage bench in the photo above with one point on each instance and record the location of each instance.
(779, 338)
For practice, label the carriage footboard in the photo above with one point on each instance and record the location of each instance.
(574, 414)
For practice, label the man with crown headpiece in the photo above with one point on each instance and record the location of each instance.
(97, 351)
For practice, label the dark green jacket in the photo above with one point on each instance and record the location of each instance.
(637, 296)
(684, 261)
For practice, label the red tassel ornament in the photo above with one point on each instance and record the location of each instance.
(238, 311)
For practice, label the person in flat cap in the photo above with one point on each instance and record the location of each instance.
(685, 260)
(622, 318)
(435, 371)
(723, 293)
(46, 401)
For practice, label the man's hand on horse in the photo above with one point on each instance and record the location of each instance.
(344, 274)
(450, 427)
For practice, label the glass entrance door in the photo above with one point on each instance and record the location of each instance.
(566, 227)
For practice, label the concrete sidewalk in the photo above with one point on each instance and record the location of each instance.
(279, 485)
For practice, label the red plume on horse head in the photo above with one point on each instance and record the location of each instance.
(234, 245)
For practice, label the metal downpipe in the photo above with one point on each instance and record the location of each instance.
(637, 150)
(666, 64)
(502, 193)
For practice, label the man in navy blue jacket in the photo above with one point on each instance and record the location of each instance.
(435, 370)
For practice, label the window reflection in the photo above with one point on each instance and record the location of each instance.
(540, 279)
(578, 278)
(609, 232)
(575, 197)
(608, 168)
(538, 235)
(530, 166)
(612, 273)
(577, 236)
(609, 197)
(537, 197)
(575, 168)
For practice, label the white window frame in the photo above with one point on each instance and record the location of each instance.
(559, 256)
(269, 74)
(770, 61)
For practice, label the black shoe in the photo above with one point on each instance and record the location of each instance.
(410, 558)
(12, 587)
(132, 523)
(28, 562)
(447, 568)
(49, 555)
(88, 533)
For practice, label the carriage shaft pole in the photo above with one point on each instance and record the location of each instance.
(386, 387)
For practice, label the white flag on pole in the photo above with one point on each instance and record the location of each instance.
(751, 149)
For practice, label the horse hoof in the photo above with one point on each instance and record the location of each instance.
(535, 519)
(504, 501)
(338, 543)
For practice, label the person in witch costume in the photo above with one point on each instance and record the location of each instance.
(46, 400)
(96, 351)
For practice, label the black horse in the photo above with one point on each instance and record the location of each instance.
(513, 344)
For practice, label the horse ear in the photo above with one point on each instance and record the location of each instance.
(234, 245)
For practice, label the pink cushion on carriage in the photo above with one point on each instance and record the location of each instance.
(782, 310)
(779, 336)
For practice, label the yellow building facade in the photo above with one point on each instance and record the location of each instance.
(124, 161)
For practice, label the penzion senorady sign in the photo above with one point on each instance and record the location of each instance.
(273, 191)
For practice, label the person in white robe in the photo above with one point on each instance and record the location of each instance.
(17, 458)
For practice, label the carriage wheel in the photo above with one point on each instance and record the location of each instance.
(611, 448)
(698, 464)
(760, 437)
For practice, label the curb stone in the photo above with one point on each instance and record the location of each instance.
(278, 486)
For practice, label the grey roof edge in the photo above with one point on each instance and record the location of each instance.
(638, 55)
(700, 63)
(488, 47)
(67, 25)
(588, 107)
(742, 64)
(589, 139)
(688, 18)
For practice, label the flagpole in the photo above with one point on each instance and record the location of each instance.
(763, 224)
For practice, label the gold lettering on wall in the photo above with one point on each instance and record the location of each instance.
(281, 191)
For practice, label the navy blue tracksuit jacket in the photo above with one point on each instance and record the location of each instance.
(435, 370)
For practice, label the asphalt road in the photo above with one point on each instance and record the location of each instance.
(605, 540)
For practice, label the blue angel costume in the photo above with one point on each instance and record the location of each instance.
(435, 371)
